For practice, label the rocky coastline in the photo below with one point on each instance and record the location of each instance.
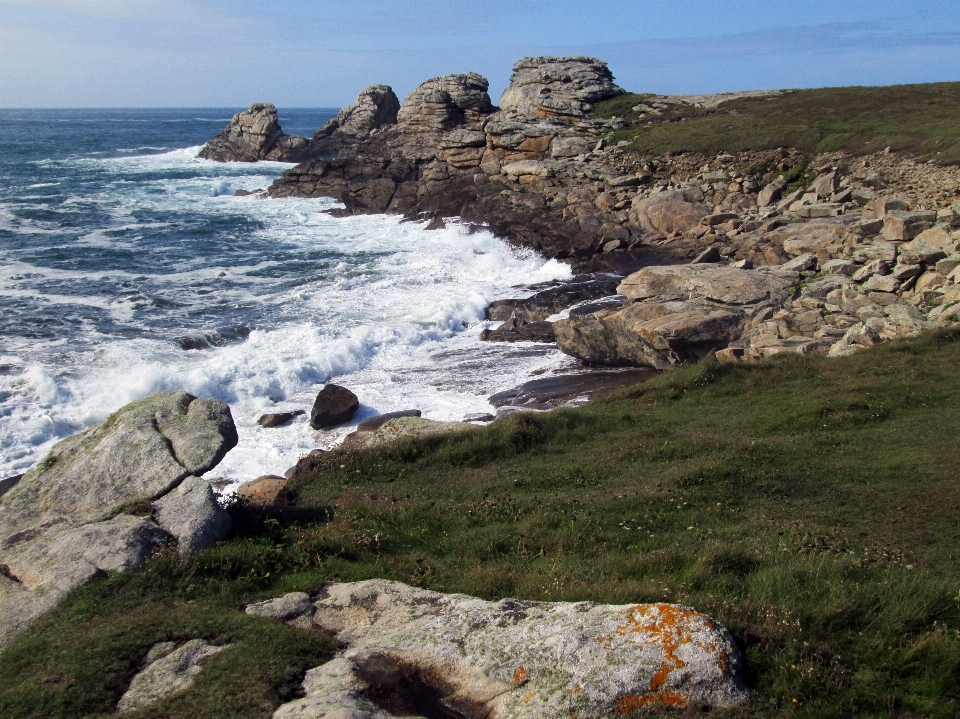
(683, 257)
(850, 251)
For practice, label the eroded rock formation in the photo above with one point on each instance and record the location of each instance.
(256, 135)
(375, 107)
(560, 87)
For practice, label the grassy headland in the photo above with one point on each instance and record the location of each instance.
(921, 120)
(811, 505)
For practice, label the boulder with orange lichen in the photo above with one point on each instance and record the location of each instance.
(407, 648)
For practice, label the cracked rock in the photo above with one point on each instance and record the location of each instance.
(70, 516)
(412, 652)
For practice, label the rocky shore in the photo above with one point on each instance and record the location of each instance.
(766, 252)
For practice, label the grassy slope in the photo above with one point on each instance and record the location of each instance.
(809, 504)
(920, 119)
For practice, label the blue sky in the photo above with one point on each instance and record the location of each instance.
(321, 53)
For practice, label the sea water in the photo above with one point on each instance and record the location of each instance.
(127, 266)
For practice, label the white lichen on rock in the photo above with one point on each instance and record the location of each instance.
(514, 659)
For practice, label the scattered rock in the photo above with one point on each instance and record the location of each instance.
(334, 405)
(900, 226)
(192, 515)
(801, 263)
(709, 256)
(278, 419)
(771, 193)
(168, 676)
(295, 608)
(266, 491)
(255, 135)
(501, 659)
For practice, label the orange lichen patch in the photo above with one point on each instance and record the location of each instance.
(604, 639)
(529, 697)
(520, 676)
(632, 702)
(576, 690)
(669, 627)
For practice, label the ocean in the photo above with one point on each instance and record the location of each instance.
(127, 266)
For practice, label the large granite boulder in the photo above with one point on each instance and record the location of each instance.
(72, 516)
(138, 454)
(255, 135)
(375, 107)
(678, 314)
(512, 658)
(560, 87)
(665, 212)
(657, 334)
(445, 103)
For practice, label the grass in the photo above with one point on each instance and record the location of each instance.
(921, 120)
(811, 505)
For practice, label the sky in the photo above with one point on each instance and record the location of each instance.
(321, 53)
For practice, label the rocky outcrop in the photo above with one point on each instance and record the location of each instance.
(170, 671)
(451, 153)
(256, 135)
(374, 108)
(65, 520)
(445, 103)
(560, 87)
(544, 174)
(512, 658)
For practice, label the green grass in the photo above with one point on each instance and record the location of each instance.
(920, 120)
(811, 505)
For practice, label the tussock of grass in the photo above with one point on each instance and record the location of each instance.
(922, 120)
(809, 504)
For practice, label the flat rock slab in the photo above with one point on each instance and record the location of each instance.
(372, 424)
(530, 332)
(512, 659)
(568, 387)
(727, 285)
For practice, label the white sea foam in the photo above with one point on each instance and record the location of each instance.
(397, 319)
